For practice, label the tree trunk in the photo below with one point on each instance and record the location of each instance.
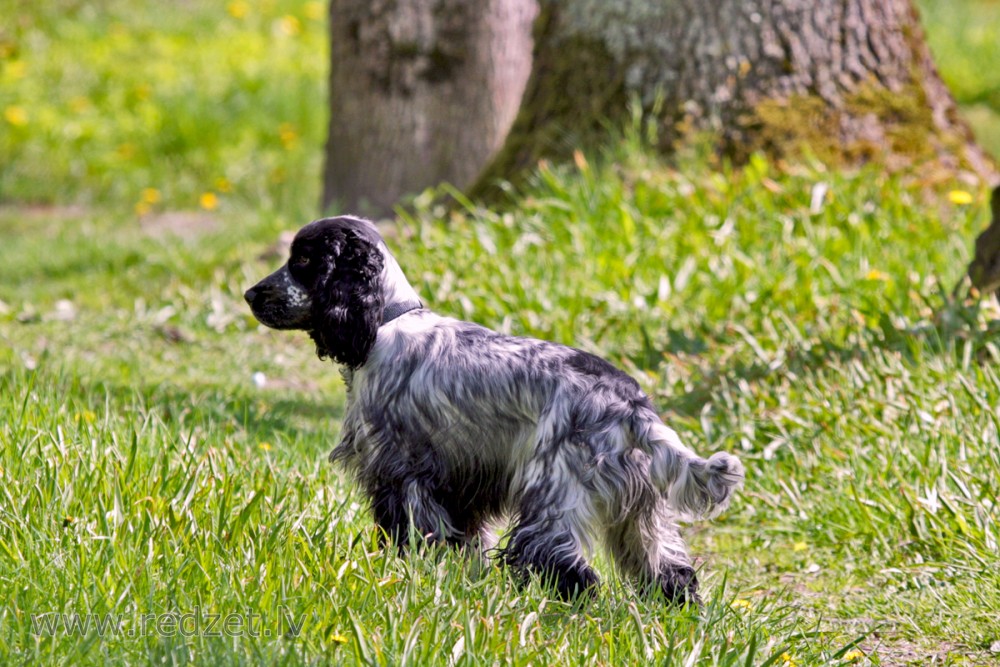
(984, 270)
(421, 91)
(842, 80)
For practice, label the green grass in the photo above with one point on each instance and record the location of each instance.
(143, 471)
(963, 40)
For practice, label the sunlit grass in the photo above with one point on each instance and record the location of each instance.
(145, 471)
(160, 453)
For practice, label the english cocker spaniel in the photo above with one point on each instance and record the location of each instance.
(450, 426)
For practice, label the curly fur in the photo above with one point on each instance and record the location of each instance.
(450, 426)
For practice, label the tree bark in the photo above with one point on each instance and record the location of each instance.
(421, 91)
(984, 270)
(842, 80)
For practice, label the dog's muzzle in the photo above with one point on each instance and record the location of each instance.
(280, 302)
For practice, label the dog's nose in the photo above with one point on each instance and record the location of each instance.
(250, 295)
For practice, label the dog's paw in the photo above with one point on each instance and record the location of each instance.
(679, 585)
(575, 582)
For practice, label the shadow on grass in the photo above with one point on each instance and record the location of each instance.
(257, 416)
(956, 329)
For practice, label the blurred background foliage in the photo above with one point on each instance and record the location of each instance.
(196, 104)
(162, 105)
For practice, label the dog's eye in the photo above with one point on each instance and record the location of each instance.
(301, 260)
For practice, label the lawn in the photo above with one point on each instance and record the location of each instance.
(163, 458)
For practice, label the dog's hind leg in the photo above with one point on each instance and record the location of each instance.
(550, 535)
(648, 547)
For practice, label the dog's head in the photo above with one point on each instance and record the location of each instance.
(331, 287)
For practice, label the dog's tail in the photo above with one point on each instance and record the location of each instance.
(694, 487)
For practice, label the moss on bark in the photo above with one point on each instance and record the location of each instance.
(844, 82)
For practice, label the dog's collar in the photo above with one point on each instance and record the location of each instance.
(394, 310)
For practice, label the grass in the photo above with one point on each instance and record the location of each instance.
(802, 319)
(962, 37)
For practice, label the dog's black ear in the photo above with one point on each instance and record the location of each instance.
(347, 300)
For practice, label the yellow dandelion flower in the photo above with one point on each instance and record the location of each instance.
(740, 603)
(800, 546)
(289, 26)
(238, 9)
(222, 184)
(338, 639)
(266, 446)
(875, 274)
(86, 416)
(209, 201)
(853, 655)
(15, 69)
(79, 104)
(314, 10)
(16, 116)
(787, 660)
(960, 197)
(126, 151)
(288, 134)
(150, 195)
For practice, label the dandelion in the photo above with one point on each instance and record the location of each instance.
(800, 546)
(314, 10)
(853, 655)
(150, 195)
(787, 660)
(289, 26)
(16, 116)
(209, 201)
(959, 197)
(86, 416)
(288, 134)
(238, 9)
(15, 69)
(740, 603)
(875, 274)
(126, 151)
(338, 639)
(266, 446)
(79, 104)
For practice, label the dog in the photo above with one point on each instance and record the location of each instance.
(450, 426)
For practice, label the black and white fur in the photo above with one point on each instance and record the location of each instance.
(450, 426)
